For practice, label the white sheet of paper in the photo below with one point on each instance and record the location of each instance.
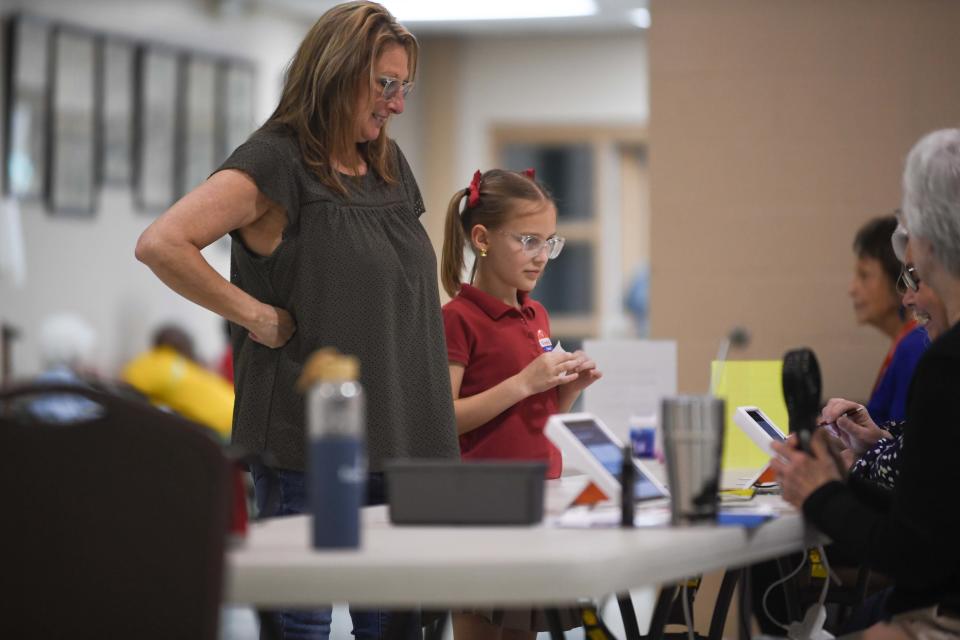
(637, 374)
(609, 517)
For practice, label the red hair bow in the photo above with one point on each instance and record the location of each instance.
(530, 173)
(474, 190)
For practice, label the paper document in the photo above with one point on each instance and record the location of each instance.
(609, 517)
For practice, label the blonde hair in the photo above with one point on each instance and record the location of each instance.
(323, 80)
(499, 191)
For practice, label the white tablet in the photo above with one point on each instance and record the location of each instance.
(758, 428)
(590, 446)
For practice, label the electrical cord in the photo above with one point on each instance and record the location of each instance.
(814, 618)
(686, 612)
(803, 562)
(826, 581)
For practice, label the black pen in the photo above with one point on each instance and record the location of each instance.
(831, 427)
(628, 477)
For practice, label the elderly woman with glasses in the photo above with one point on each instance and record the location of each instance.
(909, 533)
(872, 452)
(328, 251)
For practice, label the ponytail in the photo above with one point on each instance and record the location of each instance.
(451, 261)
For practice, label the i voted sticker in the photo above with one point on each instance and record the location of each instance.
(544, 341)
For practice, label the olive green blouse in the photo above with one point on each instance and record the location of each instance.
(357, 273)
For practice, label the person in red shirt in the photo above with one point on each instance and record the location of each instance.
(505, 375)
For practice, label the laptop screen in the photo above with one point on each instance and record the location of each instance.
(609, 454)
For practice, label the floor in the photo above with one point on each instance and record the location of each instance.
(239, 623)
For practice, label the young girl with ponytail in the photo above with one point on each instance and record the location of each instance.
(506, 377)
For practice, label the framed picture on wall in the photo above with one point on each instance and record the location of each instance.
(236, 96)
(199, 146)
(156, 124)
(117, 82)
(27, 85)
(73, 158)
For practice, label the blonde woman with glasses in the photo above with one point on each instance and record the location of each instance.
(327, 251)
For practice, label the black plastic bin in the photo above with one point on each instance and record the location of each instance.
(442, 492)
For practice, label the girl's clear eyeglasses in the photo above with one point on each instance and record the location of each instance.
(533, 245)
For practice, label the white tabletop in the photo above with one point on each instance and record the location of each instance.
(456, 566)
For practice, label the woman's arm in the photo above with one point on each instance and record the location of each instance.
(912, 536)
(171, 247)
(881, 463)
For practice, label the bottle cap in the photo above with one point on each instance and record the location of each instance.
(326, 365)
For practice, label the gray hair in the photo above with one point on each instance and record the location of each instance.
(931, 195)
(899, 238)
(66, 339)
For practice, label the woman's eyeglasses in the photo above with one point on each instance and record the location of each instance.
(908, 279)
(533, 245)
(390, 87)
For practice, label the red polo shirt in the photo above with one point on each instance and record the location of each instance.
(495, 341)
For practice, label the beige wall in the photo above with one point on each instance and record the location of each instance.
(777, 128)
(469, 88)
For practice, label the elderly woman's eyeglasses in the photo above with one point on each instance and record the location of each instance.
(391, 87)
(533, 245)
(908, 279)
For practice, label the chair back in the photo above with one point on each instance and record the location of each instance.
(114, 527)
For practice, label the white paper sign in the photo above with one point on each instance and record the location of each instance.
(637, 374)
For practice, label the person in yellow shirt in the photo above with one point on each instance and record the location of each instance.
(169, 375)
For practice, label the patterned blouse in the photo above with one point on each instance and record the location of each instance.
(881, 463)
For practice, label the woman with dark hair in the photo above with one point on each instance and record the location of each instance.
(876, 302)
(328, 251)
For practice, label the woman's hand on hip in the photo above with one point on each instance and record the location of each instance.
(274, 329)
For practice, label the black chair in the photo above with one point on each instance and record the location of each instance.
(112, 528)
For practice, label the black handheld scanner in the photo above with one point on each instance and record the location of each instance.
(802, 386)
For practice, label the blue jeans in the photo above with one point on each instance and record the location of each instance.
(280, 492)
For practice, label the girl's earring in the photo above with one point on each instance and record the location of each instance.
(483, 253)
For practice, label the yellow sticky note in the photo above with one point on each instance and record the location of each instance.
(748, 383)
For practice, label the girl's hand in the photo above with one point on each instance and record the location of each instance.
(587, 374)
(857, 430)
(274, 329)
(549, 370)
(801, 474)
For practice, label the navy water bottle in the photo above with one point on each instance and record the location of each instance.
(337, 471)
